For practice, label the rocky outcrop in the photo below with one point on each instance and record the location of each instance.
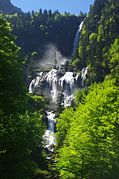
(6, 7)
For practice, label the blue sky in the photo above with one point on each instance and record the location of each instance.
(72, 6)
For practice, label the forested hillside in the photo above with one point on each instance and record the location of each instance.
(88, 137)
(99, 33)
(88, 134)
(21, 125)
(36, 30)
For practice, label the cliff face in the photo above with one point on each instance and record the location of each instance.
(6, 7)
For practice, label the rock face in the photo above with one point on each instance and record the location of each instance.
(6, 7)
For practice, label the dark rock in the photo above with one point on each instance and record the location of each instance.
(6, 7)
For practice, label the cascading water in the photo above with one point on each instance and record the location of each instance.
(49, 135)
(51, 84)
(67, 83)
(55, 84)
(83, 76)
(31, 86)
(35, 83)
(76, 39)
(52, 79)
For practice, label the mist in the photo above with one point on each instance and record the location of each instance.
(51, 57)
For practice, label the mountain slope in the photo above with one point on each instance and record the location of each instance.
(101, 28)
(88, 138)
(6, 7)
(36, 31)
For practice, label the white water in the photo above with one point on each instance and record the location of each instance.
(53, 83)
(31, 86)
(49, 135)
(64, 84)
(56, 82)
(67, 82)
(68, 78)
(76, 39)
(52, 79)
(83, 76)
(35, 83)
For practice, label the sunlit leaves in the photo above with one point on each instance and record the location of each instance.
(91, 143)
(20, 133)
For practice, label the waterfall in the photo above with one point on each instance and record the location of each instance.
(68, 78)
(52, 79)
(67, 82)
(35, 83)
(83, 76)
(56, 84)
(49, 135)
(76, 39)
(51, 84)
(31, 86)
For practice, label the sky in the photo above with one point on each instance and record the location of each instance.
(72, 6)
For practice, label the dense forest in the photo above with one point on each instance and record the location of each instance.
(87, 133)
(100, 32)
(21, 124)
(36, 30)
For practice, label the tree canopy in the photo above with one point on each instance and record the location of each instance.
(21, 129)
(90, 147)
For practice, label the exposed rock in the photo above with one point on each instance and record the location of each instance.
(6, 7)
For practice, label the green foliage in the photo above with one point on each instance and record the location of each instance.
(93, 37)
(11, 90)
(80, 96)
(89, 136)
(100, 29)
(35, 103)
(20, 132)
(75, 63)
(20, 136)
(114, 59)
(63, 125)
(34, 54)
(36, 30)
(91, 144)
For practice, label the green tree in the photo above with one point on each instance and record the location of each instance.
(100, 29)
(20, 137)
(20, 132)
(63, 124)
(11, 80)
(91, 144)
(114, 59)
